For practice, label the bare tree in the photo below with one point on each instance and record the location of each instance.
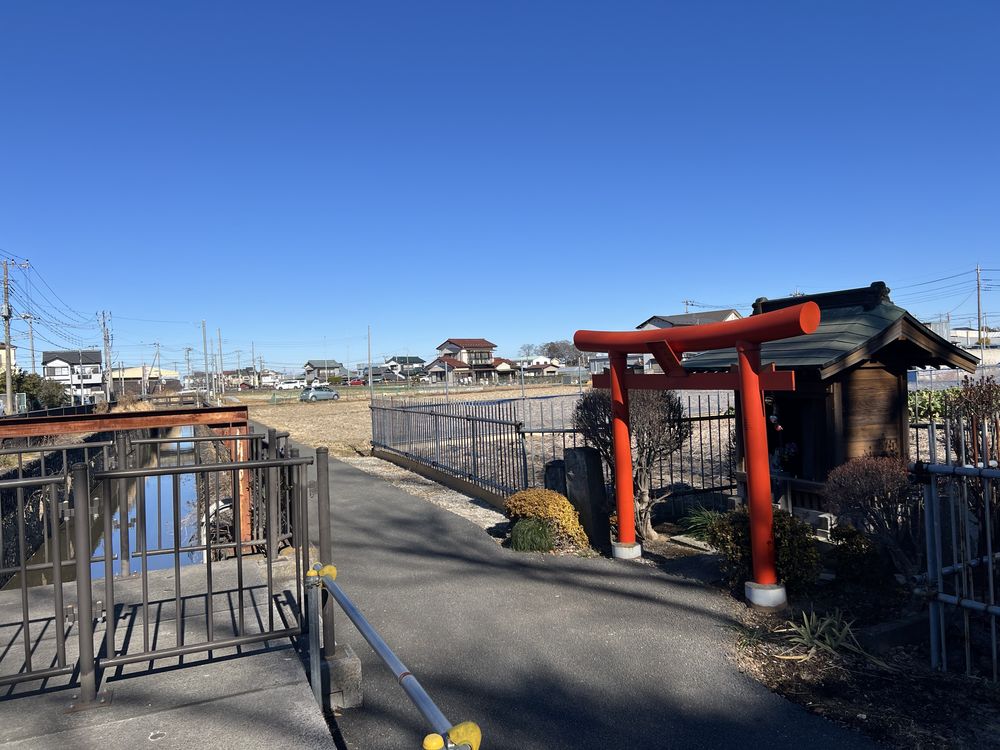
(658, 428)
(527, 350)
(563, 350)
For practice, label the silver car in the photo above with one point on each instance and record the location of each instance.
(319, 393)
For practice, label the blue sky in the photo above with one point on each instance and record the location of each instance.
(295, 172)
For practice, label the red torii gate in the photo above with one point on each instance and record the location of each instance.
(749, 378)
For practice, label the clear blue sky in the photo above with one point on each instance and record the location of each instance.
(293, 172)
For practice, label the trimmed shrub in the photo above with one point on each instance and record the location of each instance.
(549, 506)
(875, 493)
(796, 554)
(532, 535)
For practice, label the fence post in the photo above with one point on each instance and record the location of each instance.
(312, 607)
(124, 553)
(437, 439)
(475, 448)
(325, 544)
(272, 496)
(932, 572)
(84, 596)
(524, 455)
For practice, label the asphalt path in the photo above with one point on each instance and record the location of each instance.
(541, 651)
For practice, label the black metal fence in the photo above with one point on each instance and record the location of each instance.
(157, 547)
(503, 446)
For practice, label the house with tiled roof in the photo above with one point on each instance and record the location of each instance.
(322, 369)
(476, 354)
(445, 367)
(405, 364)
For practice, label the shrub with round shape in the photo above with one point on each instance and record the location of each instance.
(550, 506)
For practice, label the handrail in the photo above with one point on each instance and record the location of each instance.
(464, 736)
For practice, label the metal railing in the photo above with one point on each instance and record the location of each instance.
(961, 525)
(464, 736)
(503, 446)
(114, 522)
(478, 441)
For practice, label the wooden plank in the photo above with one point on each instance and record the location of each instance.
(70, 424)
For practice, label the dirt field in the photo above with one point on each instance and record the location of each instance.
(344, 426)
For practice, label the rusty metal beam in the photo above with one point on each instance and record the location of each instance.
(770, 380)
(216, 416)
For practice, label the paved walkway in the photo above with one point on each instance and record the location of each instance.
(541, 651)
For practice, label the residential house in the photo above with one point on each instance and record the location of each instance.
(406, 365)
(145, 379)
(323, 369)
(541, 370)
(79, 371)
(477, 354)
(681, 320)
(455, 370)
(506, 370)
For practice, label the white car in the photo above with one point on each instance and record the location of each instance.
(290, 385)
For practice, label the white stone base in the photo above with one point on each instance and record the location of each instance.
(764, 596)
(621, 551)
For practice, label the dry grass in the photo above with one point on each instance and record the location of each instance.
(344, 426)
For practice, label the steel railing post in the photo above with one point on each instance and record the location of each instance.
(124, 553)
(325, 544)
(312, 604)
(272, 496)
(84, 597)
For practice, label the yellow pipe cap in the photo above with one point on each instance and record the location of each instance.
(433, 742)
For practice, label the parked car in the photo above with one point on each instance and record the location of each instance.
(290, 385)
(319, 393)
(357, 381)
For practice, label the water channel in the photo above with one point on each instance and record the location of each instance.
(157, 495)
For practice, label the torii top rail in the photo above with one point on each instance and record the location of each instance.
(666, 346)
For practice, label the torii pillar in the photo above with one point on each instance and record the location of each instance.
(749, 378)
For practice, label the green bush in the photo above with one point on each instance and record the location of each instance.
(548, 506)
(698, 522)
(796, 555)
(532, 535)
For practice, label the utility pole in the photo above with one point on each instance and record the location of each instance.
(204, 346)
(187, 361)
(687, 302)
(159, 367)
(109, 374)
(222, 365)
(979, 313)
(6, 338)
(253, 358)
(31, 338)
(371, 386)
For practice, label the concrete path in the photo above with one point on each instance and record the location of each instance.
(541, 651)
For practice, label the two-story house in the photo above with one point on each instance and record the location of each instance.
(79, 371)
(477, 354)
(323, 369)
(405, 364)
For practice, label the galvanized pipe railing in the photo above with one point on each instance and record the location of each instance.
(464, 736)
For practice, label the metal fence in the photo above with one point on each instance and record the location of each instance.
(961, 525)
(503, 446)
(157, 549)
